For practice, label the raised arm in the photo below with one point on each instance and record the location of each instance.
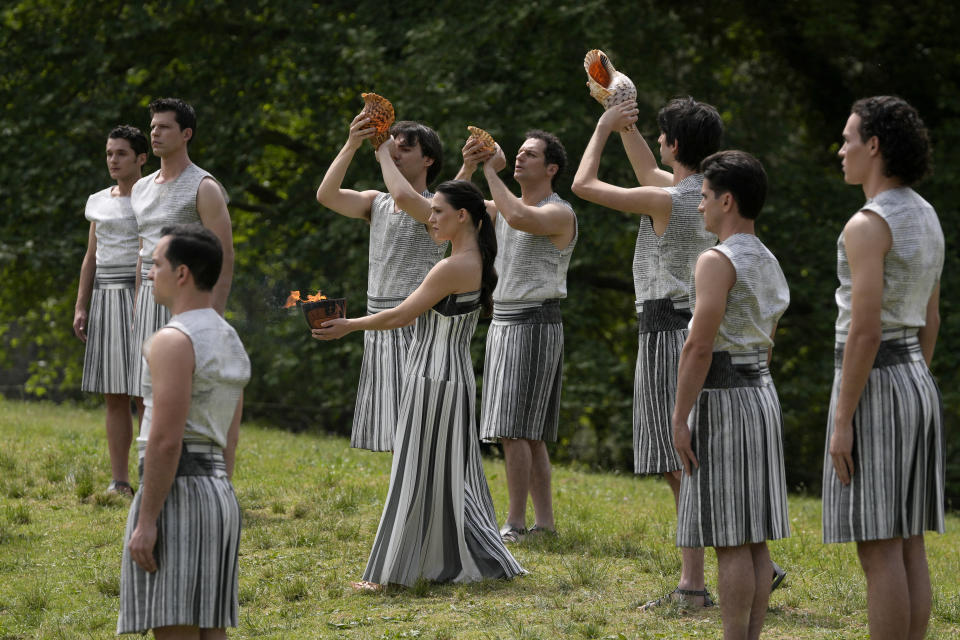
(650, 201)
(448, 276)
(171, 362)
(404, 195)
(867, 240)
(473, 155)
(212, 207)
(88, 270)
(330, 193)
(714, 276)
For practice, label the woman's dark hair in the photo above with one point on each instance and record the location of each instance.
(904, 142)
(461, 194)
(197, 247)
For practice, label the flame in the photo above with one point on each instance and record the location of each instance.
(294, 298)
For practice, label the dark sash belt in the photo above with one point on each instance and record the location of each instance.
(891, 352)
(546, 313)
(660, 315)
(724, 374)
(196, 464)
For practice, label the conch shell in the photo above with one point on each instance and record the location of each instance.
(608, 86)
(485, 138)
(380, 112)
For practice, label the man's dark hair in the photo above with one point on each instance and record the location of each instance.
(739, 174)
(138, 141)
(553, 152)
(904, 142)
(185, 115)
(197, 247)
(696, 126)
(412, 133)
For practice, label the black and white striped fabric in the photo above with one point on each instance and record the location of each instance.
(662, 331)
(381, 379)
(149, 317)
(197, 552)
(438, 522)
(897, 487)
(523, 373)
(738, 495)
(106, 362)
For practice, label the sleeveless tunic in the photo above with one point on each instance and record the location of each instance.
(156, 206)
(738, 495)
(438, 521)
(662, 280)
(897, 489)
(199, 525)
(523, 368)
(401, 254)
(106, 362)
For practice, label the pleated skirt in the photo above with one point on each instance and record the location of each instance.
(438, 522)
(149, 317)
(738, 495)
(897, 487)
(662, 332)
(381, 379)
(523, 374)
(106, 362)
(198, 540)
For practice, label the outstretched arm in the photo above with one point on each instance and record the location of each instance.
(404, 195)
(714, 276)
(651, 201)
(645, 167)
(446, 277)
(212, 208)
(347, 202)
(867, 240)
(88, 270)
(473, 155)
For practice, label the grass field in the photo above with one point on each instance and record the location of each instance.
(311, 507)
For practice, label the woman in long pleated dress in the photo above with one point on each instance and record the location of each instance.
(438, 522)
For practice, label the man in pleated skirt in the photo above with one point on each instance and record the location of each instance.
(670, 238)
(401, 254)
(727, 426)
(105, 296)
(181, 546)
(523, 366)
(883, 470)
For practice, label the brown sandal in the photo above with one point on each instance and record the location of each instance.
(121, 487)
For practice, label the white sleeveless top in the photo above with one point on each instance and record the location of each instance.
(530, 267)
(221, 370)
(911, 268)
(401, 252)
(158, 205)
(116, 229)
(757, 299)
(663, 265)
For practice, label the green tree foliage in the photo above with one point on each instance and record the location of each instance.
(276, 84)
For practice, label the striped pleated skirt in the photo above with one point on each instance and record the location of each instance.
(381, 378)
(897, 487)
(106, 362)
(438, 521)
(662, 332)
(149, 317)
(522, 373)
(198, 538)
(738, 495)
